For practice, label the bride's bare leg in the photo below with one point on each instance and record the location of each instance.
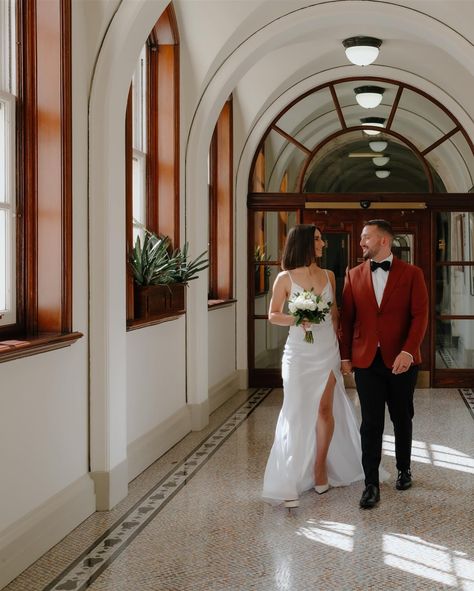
(324, 431)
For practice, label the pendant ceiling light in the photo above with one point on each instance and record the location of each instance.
(382, 174)
(373, 122)
(378, 146)
(369, 96)
(362, 51)
(381, 160)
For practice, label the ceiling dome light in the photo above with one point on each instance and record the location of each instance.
(373, 122)
(378, 146)
(362, 51)
(382, 174)
(369, 97)
(381, 160)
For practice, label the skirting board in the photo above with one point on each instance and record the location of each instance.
(23, 542)
(110, 486)
(147, 449)
(224, 390)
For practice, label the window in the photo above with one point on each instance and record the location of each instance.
(8, 70)
(152, 143)
(35, 191)
(221, 208)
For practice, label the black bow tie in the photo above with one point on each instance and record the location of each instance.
(384, 265)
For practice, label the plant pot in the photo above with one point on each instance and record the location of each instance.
(154, 301)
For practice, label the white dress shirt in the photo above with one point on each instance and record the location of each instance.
(379, 280)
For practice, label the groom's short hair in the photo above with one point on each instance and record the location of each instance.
(382, 225)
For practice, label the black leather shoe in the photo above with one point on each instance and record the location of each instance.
(404, 480)
(370, 497)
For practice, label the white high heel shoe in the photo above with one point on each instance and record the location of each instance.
(321, 488)
(292, 503)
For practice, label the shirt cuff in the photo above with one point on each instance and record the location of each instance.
(412, 358)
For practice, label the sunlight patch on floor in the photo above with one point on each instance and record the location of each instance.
(330, 533)
(430, 561)
(437, 455)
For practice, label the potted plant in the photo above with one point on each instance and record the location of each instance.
(262, 272)
(161, 275)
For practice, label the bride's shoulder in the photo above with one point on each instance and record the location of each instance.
(329, 272)
(283, 276)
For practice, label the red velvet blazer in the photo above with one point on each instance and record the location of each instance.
(398, 325)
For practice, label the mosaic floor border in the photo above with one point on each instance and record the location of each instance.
(467, 395)
(93, 561)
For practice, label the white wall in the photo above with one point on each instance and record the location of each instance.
(221, 344)
(156, 376)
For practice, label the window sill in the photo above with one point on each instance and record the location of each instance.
(18, 348)
(215, 304)
(139, 323)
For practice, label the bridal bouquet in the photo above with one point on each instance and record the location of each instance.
(308, 306)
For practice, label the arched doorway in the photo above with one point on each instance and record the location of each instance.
(320, 161)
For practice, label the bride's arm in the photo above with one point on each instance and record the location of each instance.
(281, 289)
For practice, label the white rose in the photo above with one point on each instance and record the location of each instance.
(292, 308)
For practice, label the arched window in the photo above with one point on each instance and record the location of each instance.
(35, 196)
(152, 143)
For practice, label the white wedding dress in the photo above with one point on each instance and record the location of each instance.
(305, 370)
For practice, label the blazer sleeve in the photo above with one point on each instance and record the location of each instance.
(419, 313)
(347, 319)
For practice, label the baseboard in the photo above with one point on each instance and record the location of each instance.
(148, 448)
(199, 415)
(111, 487)
(23, 542)
(243, 379)
(224, 390)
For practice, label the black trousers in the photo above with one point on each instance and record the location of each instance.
(377, 385)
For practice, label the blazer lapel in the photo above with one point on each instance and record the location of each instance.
(396, 271)
(367, 279)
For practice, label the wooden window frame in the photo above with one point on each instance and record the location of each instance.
(221, 209)
(44, 182)
(162, 176)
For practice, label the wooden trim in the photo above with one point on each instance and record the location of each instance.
(16, 349)
(129, 204)
(337, 106)
(394, 106)
(212, 254)
(441, 140)
(30, 166)
(291, 139)
(66, 107)
(138, 323)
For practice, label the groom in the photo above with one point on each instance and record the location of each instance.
(383, 321)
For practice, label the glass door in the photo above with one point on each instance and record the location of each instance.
(454, 299)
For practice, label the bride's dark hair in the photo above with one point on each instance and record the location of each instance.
(299, 247)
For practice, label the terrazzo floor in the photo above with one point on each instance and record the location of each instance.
(194, 520)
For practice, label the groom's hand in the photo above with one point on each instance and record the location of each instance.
(402, 363)
(346, 367)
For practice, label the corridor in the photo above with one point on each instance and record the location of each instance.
(194, 519)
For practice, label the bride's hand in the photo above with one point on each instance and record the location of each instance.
(306, 324)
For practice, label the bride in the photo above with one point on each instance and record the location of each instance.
(317, 442)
